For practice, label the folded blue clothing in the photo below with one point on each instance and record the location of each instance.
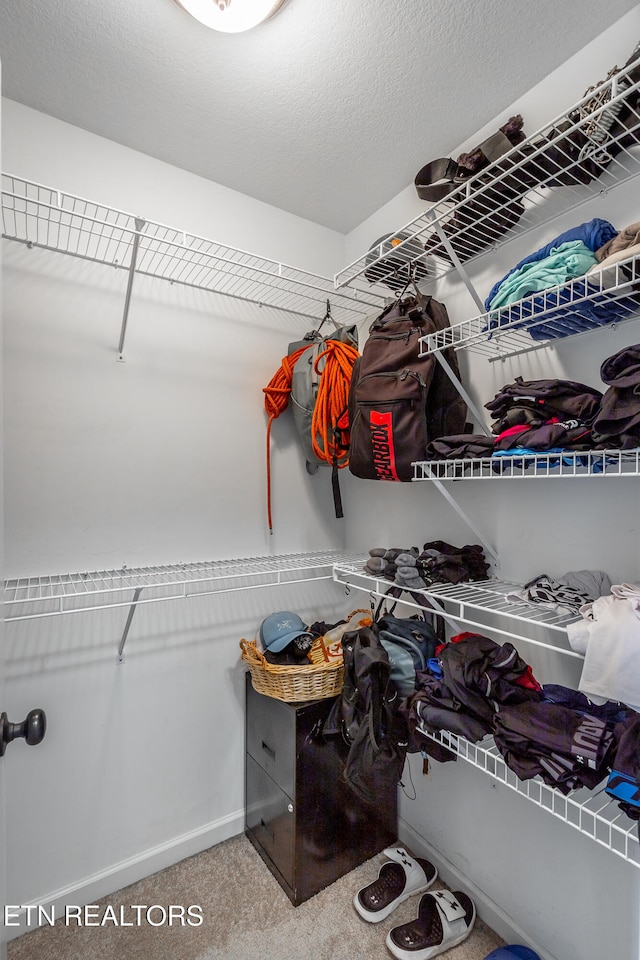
(523, 457)
(525, 451)
(576, 318)
(562, 315)
(564, 262)
(593, 233)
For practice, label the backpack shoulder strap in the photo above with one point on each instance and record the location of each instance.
(440, 177)
(436, 179)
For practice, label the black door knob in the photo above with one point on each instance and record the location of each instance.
(32, 728)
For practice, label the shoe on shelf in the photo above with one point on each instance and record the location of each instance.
(444, 920)
(400, 877)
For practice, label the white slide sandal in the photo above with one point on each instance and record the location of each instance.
(444, 920)
(400, 877)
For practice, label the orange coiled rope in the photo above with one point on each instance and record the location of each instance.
(276, 401)
(331, 403)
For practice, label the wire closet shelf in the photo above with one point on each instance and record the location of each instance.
(40, 216)
(607, 296)
(28, 598)
(490, 604)
(593, 813)
(568, 463)
(473, 218)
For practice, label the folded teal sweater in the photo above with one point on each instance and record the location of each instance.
(569, 260)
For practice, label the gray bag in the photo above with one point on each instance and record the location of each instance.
(305, 383)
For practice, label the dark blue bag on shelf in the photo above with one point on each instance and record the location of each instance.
(409, 643)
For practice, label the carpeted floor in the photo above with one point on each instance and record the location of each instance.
(246, 916)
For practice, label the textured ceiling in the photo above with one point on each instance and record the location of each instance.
(327, 110)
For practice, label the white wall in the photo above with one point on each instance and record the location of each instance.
(559, 891)
(160, 459)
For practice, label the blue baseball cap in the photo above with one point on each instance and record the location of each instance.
(514, 951)
(278, 630)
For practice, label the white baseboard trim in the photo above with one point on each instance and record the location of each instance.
(99, 885)
(489, 911)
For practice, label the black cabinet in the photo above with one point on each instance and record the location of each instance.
(302, 818)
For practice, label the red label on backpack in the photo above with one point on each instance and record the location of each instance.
(384, 454)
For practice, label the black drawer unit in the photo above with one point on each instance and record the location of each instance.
(300, 815)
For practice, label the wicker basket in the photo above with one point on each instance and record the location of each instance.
(293, 684)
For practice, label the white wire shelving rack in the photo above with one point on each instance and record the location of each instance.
(483, 604)
(30, 598)
(605, 297)
(592, 812)
(590, 463)
(465, 224)
(40, 216)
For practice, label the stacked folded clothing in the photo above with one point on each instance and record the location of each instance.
(565, 748)
(589, 251)
(556, 415)
(535, 402)
(437, 562)
(550, 436)
(594, 234)
(565, 738)
(543, 415)
(564, 262)
(617, 424)
(624, 243)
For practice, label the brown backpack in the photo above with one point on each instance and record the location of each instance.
(398, 400)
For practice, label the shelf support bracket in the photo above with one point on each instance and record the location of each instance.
(488, 547)
(455, 260)
(125, 632)
(446, 366)
(127, 300)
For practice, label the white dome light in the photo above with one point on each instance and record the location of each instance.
(230, 16)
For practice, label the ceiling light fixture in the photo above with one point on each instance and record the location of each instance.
(231, 16)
